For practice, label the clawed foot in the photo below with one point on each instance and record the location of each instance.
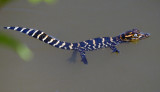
(84, 60)
(83, 56)
(115, 51)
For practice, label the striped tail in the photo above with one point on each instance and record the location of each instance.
(45, 38)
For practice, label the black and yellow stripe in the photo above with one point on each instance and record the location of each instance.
(45, 38)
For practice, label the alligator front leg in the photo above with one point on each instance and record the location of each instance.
(114, 49)
(83, 56)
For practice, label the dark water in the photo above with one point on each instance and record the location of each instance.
(135, 69)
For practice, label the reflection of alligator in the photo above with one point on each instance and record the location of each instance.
(88, 45)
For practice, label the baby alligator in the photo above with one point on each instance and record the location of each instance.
(88, 45)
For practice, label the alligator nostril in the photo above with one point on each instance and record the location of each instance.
(147, 34)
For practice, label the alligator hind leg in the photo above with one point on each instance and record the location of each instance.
(114, 49)
(83, 56)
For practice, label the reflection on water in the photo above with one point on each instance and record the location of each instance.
(72, 59)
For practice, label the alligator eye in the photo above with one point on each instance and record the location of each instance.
(135, 35)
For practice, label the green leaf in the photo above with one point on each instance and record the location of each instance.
(39, 1)
(22, 50)
(3, 2)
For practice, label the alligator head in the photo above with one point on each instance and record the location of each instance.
(133, 35)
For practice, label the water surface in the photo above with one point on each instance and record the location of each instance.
(135, 69)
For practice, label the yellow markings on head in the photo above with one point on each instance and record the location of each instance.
(128, 35)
